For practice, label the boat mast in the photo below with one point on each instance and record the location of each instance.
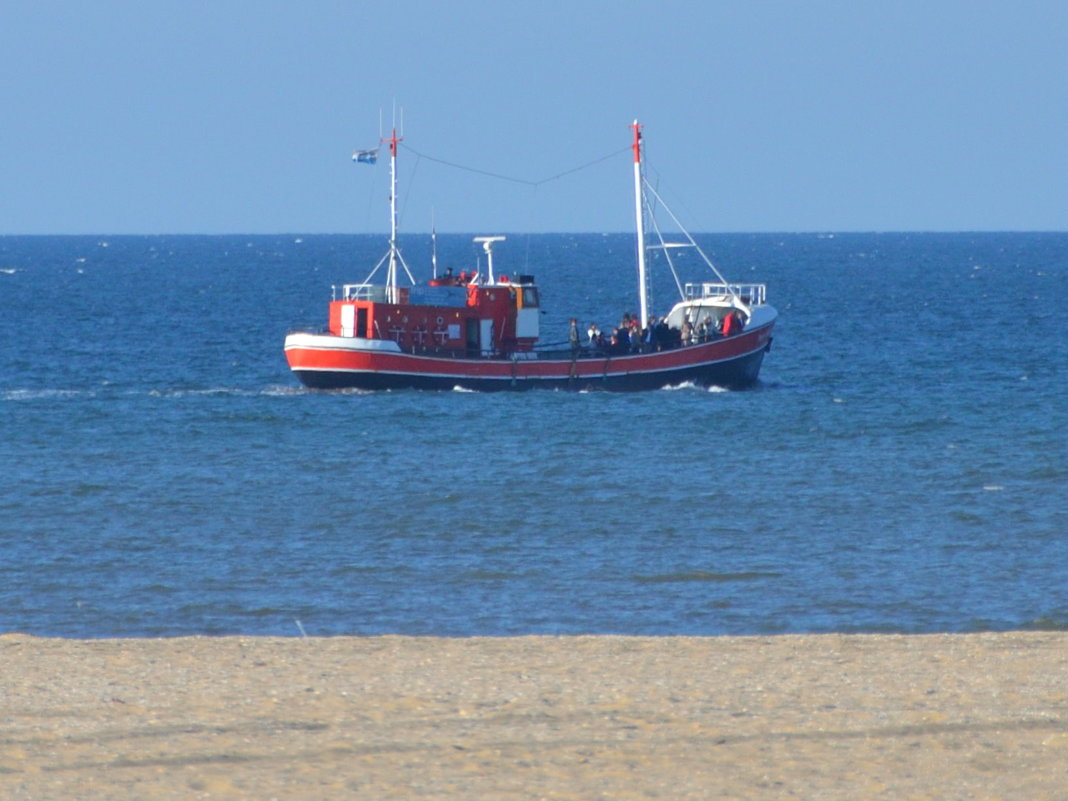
(394, 253)
(639, 221)
(433, 247)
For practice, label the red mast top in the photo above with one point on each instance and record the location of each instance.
(637, 146)
(393, 140)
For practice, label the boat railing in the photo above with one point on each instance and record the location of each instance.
(750, 294)
(375, 292)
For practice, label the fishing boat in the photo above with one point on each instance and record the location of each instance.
(479, 330)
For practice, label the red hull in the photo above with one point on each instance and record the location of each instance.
(330, 362)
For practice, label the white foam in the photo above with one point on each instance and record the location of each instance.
(40, 394)
(281, 390)
(682, 386)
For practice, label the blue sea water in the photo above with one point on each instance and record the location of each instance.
(901, 466)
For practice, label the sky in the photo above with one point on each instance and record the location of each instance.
(235, 116)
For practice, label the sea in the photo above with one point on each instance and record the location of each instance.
(901, 466)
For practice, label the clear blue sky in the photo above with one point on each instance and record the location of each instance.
(235, 116)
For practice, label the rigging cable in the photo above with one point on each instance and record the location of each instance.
(514, 180)
(535, 184)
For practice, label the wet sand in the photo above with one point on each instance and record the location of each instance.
(977, 716)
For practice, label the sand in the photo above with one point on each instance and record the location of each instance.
(976, 716)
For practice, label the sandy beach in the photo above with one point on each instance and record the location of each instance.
(976, 716)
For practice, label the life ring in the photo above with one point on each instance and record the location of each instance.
(441, 320)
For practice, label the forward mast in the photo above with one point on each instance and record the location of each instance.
(394, 251)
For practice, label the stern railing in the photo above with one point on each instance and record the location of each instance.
(750, 294)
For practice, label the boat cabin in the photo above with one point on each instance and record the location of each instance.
(707, 304)
(451, 316)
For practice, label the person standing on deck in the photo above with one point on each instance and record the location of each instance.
(573, 338)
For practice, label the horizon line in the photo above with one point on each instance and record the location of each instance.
(754, 232)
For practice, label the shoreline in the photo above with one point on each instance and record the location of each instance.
(834, 716)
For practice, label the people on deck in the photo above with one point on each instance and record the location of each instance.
(686, 336)
(629, 337)
(635, 334)
(732, 323)
(662, 335)
(701, 332)
(649, 335)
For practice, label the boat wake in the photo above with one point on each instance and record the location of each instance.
(269, 391)
(690, 386)
(282, 391)
(22, 395)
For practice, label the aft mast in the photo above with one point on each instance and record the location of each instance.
(639, 220)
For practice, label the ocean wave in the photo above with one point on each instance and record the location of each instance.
(705, 575)
(43, 394)
(282, 390)
(274, 390)
(1047, 623)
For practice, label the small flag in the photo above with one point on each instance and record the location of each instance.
(365, 156)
